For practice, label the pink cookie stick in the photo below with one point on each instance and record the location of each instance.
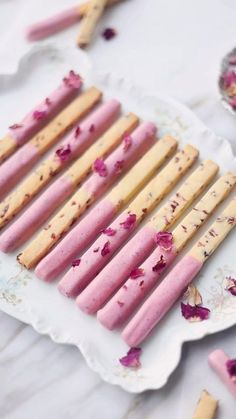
(35, 120)
(174, 284)
(218, 361)
(77, 240)
(24, 159)
(60, 190)
(135, 289)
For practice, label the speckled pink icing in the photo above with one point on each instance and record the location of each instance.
(92, 260)
(12, 170)
(123, 304)
(52, 24)
(78, 238)
(117, 271)
(217, 360)
(36, 214)
(50, 106)
(161, 300)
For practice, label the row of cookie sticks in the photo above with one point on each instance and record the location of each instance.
(112, 293)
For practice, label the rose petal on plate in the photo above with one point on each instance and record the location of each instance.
(73, 80)
(194, 313)
(132, 358)
(193, 296)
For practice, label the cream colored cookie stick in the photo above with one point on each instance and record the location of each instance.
(133, 293)
(207, 407)
(89, 22)
(100, 216)
(65, 185)
(77, 278)
(105, 173)
(173, 285)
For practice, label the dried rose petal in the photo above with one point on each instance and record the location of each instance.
(77, 131)
(76, 262)
(109, 33)
(109, 231)
(136, 273)
(129, 222)
(106, 249)
(159, 265)
(37, 115)
(16, 126)
(100, 167)
(231, 367)
(164, 239)
(119, 166)
(96, 250)
(127, 142)
(131, 359)
(73, 80)
(48, 101)
(63, 152)
(194, 313)
(229, 77)
(193, 296)
(92, 128)
(231, 286)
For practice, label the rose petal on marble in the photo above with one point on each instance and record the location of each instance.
(37, 115)
(231, 286)
(229, 77)
(109, 33)
(63, 152)
(109, 231)
(231, 368)
(127, 142)
(119, 166)
(100, 167)
(16, 126)
(76, 262)
(73, 80)
(129, 222)
(194, 313)
(193, 296)
(106, 249)
(136, 273)
(161, 263)
(132, 358)
(164, 239)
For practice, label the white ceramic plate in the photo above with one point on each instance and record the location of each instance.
(23, 296)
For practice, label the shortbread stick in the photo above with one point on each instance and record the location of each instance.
(60, 21)
(35, 120)
(24, 159)
(90, 20)
(100, 216)
(218, 360)
(78, 277)
(141, 245)
(134, 291)
(173, 285)
(105, 173)
(63, 187)
(73, 145)
(207, 407)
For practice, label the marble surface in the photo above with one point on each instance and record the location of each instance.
(173, 47)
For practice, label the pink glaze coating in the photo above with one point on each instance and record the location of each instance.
(92, 261)
(50, 106)
(143, 139)
(115, 273)
(13, 169)
(36, 214)
(217, 360)
(52, 24)
(123, 304)
(161, 300)
(78, 238)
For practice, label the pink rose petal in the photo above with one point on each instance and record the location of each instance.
(73, 80)
(194, 313)
(77, 131)
(100, 167)
(109, 231)
(136, 273)
(106, 249)
(48, 101)
(119, 166)
(159, 265)
(76, 262)
(231, 368)
(129, 222)
(109, 33)
(37, 115)
(231, 286)
(63, 152)
(131, 359)
(164, 239)
(92, 128)
(127, 142)
(229, 77)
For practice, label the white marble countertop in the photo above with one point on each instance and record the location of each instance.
(175, 48)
